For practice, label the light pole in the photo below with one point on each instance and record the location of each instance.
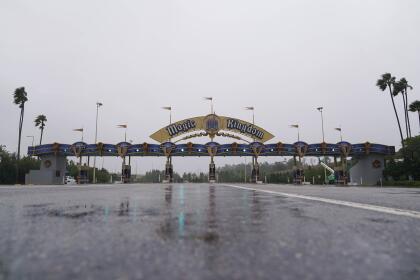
(125, 131)
(245, 170)
(341, 134)
(98, 104)
(322, 122)
(253, 116)
(323, 140)
(211, 104)
(32, 145)
(254, 158)
(169, 108)
(79, 130)
(168, 164)
(298, 130)
(30, 136)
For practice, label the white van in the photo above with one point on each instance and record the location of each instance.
(69, 180)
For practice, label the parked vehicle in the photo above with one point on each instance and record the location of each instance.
(69, 180)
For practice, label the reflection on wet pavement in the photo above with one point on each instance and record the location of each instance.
(211, 231)
(72, 212)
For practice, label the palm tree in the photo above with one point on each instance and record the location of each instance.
(402, 87)
(40, 121)
(415, 107)
(387, 81)
(19, 98)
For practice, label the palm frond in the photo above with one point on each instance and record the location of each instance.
(381, 84)
(20, 96)
(386, 76)
(398, 88)
(40, 121)
(415, 106)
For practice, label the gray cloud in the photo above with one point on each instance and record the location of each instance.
(285, 58)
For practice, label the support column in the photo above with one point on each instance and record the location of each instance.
(169, 171)
(297, 171)
(83, 177)
(343, 176)
(255, 173)
(212, 171)
(125, 172)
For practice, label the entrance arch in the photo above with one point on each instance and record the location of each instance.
(211, 125)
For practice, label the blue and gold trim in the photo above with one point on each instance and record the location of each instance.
(211, 149)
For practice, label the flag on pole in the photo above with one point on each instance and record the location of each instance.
(78, 129)
(249, 108)
(167, 108)
(122, 126)
(295, 125)
(338, 128)
(208, 98)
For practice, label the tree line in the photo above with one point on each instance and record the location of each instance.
(8, 171)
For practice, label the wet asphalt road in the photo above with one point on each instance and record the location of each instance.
(199, 231)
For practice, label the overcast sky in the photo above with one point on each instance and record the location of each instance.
(284, 57)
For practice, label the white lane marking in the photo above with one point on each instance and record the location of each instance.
(28, 187)
(382, 209)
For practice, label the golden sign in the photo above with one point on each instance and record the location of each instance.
(211, 124)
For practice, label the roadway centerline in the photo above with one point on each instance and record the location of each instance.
(381, 209)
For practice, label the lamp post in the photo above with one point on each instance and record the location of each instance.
(211, 104)
(98, 104)
(251, 108)
(298, 130)
(253, 116)
(341, 134)
(322, 122)
(169, 108)
(30, 136)
(79, 130)
(245, 170)
(125, 130)
(254, 158)
(323, 139)
(168, 164)
(32, 145)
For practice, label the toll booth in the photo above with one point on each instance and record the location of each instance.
(341, 177)
(212, 172)
(126, 174)
(298, 176)
(83, 177)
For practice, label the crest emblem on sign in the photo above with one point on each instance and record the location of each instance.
(167, 148)
(212, 148)
(122, 148)
(257, 148)
(345, 148)
(78, 148)
(376, 164)
(212, 125)
(301, 148)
